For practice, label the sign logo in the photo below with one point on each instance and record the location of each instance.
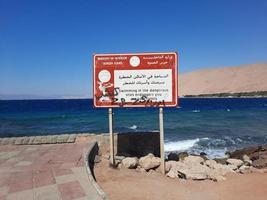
(135, 80)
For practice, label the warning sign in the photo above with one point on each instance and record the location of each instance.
(135, 80)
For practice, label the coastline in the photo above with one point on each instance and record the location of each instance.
(127, 138)
(254, 94)
(122, 183)
(130, 184)
(191, 177)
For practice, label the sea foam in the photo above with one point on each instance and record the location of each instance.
(133, 127)
(193, 146)
(180, 145)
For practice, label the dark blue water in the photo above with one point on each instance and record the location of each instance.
(211, 125)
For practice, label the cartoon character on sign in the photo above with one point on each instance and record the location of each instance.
(103, 85)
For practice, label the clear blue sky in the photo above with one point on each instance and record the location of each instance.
(46, 46)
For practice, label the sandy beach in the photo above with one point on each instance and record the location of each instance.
(129, 184)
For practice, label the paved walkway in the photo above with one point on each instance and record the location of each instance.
(44, 172)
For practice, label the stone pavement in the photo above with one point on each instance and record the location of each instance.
(45, 172)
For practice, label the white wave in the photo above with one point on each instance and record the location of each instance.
(212, 153)
(195, 111)
(191, 147)
(180, 145)
(133, 127)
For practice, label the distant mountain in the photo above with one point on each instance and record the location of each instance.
(236, 79)
(21, 97)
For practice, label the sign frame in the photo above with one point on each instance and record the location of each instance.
(173, 103)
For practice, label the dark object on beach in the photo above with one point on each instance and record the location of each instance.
(173, 156)
(202, 154)
(177, 156)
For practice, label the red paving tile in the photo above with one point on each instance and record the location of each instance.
(2, 161)
(61, 172)
(10, 163)
(68, 165)
(2, 197)
(10, 148)
(43, 178)
(21, 181)
(71, 190)
(4, 179)
(48, 161)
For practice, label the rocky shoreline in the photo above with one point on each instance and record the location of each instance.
(198, 167)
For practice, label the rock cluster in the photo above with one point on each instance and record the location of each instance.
(188, 166)
(146, 163)
(256, 154)
(197, 168)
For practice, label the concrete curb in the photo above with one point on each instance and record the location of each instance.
(48, 139)
(89, 160)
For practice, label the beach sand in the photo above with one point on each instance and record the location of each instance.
(129, 184)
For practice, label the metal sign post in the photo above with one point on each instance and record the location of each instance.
(161, 130)
(135, 80)
(111, 137)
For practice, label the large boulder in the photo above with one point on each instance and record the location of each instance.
(119, 158)
(223, 169)
(172, 168)
(221, 160)
(244, 169)
(247, 160)
(210, 163)
(254, 156)
(182, 155)
(140, 169)
(172, 174)
(130, 162)
(233, 167)
(170, 165)
(191, 160)
(238, 154)
(261, 162)
(149, 162)
(216, 175)
(196, 171)
(236, 162)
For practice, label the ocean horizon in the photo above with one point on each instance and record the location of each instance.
(210, 125)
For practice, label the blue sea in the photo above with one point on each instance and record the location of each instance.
(210, 125)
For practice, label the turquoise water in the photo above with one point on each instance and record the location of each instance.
(211, 125)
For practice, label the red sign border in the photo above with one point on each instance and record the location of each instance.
(137, 106)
